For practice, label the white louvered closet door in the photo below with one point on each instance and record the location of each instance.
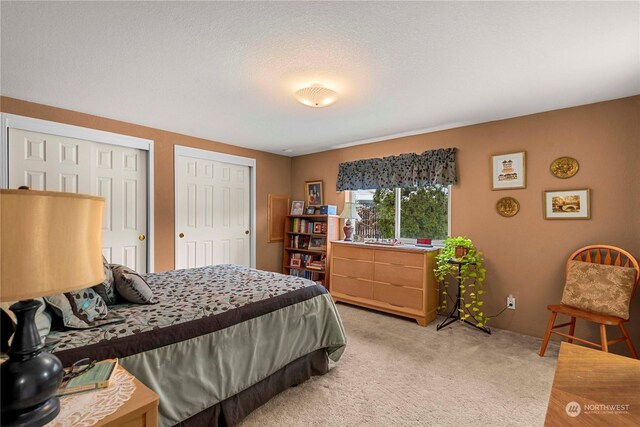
(55, 163)
(212, 213)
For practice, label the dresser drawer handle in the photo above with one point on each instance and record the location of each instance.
(396, 305)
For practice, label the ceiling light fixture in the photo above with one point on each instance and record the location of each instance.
(316, 96)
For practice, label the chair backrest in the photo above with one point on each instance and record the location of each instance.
(608, 255)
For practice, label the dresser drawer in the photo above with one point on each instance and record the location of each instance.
(400, 258)
(352, 252)
(398, 295)
(399, 275)
(353, 268)
(350, 286)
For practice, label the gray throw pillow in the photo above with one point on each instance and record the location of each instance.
(82, 309)
(132, 286)
(107, 289)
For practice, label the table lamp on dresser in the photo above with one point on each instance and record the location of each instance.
(50, 243)
(349, 212)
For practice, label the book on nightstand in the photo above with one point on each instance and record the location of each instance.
(99, 376)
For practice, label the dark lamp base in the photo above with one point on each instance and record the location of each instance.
(348, 231)
(37, 416)
(30, 377)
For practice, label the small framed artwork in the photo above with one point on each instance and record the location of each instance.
(297, 207)
(296, 262)
(317, 243)
(310, 210)
(313, 193)
(567, 204)
(317, 228)
(508, 171)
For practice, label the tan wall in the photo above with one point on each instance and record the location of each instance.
(272, 175)
(525, 255)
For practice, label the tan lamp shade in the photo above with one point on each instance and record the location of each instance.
(50, 243)
(350, 211)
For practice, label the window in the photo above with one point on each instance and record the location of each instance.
(403, 213)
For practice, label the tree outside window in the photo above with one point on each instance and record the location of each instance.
(424, 212)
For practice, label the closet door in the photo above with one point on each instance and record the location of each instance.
(55, 163)
(212, 213)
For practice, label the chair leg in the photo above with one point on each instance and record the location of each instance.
(572, 328)
(603, 338)
(547, 334)
(625, 334)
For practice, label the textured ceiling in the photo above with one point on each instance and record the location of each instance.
(228, 71)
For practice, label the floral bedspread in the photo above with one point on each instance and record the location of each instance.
(184, 295)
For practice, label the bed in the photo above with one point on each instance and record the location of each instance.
(220, 341)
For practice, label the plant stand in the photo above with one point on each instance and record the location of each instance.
(455, 312)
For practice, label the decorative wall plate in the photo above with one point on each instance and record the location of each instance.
(507, 206)
(564, 167)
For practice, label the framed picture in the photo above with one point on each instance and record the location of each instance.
(317, 228)
(317, 243)
(567, 204)
(296, 262)
(297, 207)
(508, 171)
(313, 193)
(310, 210)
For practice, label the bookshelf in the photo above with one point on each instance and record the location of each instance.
(307, 241)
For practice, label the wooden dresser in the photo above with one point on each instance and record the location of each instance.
(397, 280)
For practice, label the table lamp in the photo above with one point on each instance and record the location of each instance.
(349, 212)
(50, 243)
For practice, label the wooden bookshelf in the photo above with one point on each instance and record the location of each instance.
(303, 231)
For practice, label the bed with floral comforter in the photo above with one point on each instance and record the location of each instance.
(217, 334)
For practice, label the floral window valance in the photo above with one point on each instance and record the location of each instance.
(433, 167)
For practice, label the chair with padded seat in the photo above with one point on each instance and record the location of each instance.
(597, 254)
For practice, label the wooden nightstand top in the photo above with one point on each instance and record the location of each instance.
(140, 410)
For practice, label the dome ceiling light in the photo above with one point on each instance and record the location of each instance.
(316, 96)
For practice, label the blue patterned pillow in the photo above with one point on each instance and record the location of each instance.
(82, 309)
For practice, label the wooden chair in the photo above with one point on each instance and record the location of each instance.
(600, 254)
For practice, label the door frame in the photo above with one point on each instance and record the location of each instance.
(180, 150)
(93, 135)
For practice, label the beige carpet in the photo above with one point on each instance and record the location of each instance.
(395, 373)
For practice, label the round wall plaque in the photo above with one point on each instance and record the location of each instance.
(564, 167)
(507, 206)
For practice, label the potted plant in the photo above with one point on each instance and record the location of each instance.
(471, 274)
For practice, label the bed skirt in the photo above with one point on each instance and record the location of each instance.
(232, 411)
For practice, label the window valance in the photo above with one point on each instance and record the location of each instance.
(433, 167)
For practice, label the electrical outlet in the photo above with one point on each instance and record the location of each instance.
(511, 302)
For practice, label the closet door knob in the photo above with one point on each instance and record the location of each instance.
(141, 237)
(181, 235)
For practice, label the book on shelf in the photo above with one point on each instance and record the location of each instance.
(299, 242)
(300, 225)
(98, 376)
(311, 275)
(314, 262)
(316, 265)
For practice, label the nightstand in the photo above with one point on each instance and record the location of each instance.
(139, 410)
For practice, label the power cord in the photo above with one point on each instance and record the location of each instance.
(451, 299)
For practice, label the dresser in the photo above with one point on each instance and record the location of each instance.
(397, 280)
